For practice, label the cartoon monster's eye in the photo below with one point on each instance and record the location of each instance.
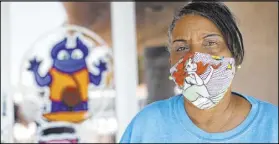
(77, 54)
(63, 55)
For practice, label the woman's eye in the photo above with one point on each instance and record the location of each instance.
(209, 43)
(181, 49)
(63, 55)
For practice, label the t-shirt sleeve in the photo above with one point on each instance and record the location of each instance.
(144, 123)
(126, 137)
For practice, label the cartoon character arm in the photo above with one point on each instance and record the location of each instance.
(41, 81)
(198, 79)
(209, 75)
(96, 79)
(194, 79)
(187, 83)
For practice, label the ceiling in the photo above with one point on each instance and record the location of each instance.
(152, 19)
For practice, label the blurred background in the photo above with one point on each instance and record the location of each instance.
(145, 24)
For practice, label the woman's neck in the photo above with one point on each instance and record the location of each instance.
(214, 119)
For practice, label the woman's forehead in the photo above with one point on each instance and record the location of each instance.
(190, 26)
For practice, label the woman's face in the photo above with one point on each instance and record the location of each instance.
(196, 34)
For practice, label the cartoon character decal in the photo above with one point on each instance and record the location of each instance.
(203, 79)
(68, 80)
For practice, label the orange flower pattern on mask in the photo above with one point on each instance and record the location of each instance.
(180, 74)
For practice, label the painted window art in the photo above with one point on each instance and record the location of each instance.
(59, 74)
(68, 79)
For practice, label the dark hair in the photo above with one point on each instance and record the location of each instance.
(221, 16)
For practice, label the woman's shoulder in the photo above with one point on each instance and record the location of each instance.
(269, 111)
(155, 113)
(149, 120)
(266, 109)
(264, 104)
(158, 108)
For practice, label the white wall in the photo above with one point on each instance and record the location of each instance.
(258, 23)
(6, 120)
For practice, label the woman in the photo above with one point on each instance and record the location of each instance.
(206, 49)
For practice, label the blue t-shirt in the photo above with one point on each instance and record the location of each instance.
(166, 121)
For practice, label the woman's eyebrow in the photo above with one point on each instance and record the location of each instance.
(179, 40)
(209, 35)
